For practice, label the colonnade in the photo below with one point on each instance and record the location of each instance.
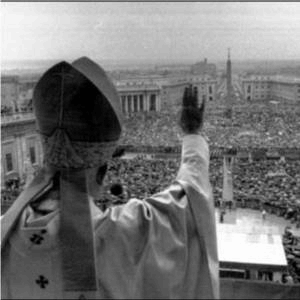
(136, 102)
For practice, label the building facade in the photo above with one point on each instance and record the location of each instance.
(271, 88)
(137, 96)
(172, 91)
(17, 91)
(20, 146)
(207, 87)
(9, 91)
(285, 89)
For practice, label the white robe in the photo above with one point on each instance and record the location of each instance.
(161, 247)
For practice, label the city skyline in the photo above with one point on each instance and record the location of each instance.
(137, 31)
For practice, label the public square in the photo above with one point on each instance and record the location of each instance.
(164, 115)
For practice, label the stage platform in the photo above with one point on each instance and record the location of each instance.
(250, 243)
(238, 248)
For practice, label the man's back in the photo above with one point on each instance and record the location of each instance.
(161, 247)
(145, 249)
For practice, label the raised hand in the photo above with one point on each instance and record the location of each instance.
(191, 119)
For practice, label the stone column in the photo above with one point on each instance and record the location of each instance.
(146, 101)
(129, 103)
(135, 99)
(158, 100)
(253, 274)
(139, 102)
(20, 154)
(123, 104)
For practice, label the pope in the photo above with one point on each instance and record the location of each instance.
(56, 243)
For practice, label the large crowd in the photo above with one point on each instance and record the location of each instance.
(7, 110)
(252, 125)
(271, 184)
(268, 184)
(291, 245)
(256, 125)
(9, 192)
(275, 185)
(151, 128)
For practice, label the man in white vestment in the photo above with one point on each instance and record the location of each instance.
(57, 244)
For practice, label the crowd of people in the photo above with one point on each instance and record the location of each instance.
(142, 177)
(9, 192)
(151, 128)
(7, 110)
(268, 184)
(255, 125)
(291, 245)
(258, 125)
(273, 185)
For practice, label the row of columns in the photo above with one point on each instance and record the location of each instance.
(140, 102)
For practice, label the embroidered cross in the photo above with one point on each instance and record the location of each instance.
(38, 238)
(42, 281)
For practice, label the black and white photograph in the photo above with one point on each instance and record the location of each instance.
(150, 150)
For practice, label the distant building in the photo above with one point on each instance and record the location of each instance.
(136, 96)
(28, 82)
(9, 91)
(285, 89)
(172, 92)
(256, 87)
(26, 87)
(162, 94)
(19, 142)
(271, 87)
(203, 68)
(16, 91)
(207, 87)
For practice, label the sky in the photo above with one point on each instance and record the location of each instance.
(154, 31)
